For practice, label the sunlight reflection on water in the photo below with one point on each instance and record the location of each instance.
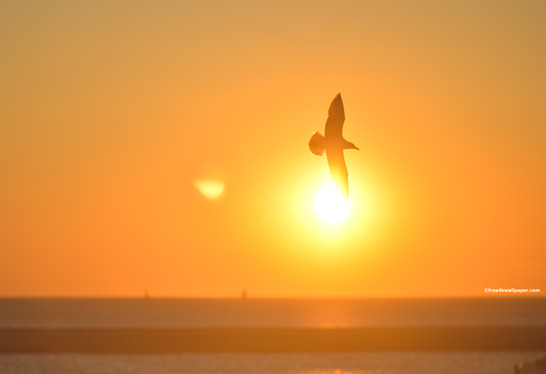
(339, 371)
(297, 363)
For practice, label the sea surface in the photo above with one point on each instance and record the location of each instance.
(33, 313)
(271, 312)
(327, 363)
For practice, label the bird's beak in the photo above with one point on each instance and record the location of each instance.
(358, 149)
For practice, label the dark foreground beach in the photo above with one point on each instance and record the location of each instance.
(268, 340)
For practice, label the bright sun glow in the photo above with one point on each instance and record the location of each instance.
(330, 204)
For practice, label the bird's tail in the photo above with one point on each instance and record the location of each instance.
(316, 143)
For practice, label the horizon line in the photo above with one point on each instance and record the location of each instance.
(247, 297)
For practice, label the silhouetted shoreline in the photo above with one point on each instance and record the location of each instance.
(268, 340)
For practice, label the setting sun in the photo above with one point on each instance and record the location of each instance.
(273, 186)
(330, 204)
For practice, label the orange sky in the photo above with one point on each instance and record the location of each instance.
(110, 112)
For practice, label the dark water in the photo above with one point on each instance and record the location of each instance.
(271, 312)
(327, 363)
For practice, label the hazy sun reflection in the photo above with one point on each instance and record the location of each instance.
(338, 371)
(210, 188)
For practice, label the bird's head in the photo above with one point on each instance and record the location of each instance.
(352, 146)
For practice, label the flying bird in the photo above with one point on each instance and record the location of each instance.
(333, 143)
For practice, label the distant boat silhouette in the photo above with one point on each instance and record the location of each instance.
(333, 143)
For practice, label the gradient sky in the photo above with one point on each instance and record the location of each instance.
(110, 111)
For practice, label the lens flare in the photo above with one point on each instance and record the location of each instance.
(210, 188)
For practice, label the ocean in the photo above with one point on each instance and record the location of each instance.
(168, 313)
(271, 313)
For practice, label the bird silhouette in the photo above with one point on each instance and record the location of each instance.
(333, 143)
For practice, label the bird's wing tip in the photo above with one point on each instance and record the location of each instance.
(336, 107)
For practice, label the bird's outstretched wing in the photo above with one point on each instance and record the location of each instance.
(336, 117)
(338, 170)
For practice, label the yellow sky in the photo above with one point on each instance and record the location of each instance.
(111, 112)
